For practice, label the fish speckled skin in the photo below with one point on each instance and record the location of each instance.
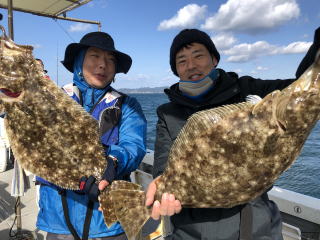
(222, 157)
(50, 134)
(229, 155)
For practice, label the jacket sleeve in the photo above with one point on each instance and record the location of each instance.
(254, 86)
(132, 137)
(162, 145)
(311, 54)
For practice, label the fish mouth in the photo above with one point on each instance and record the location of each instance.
(8, 95)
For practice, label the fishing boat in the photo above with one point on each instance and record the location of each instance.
(300, 213)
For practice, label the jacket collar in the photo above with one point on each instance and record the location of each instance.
(226, 87)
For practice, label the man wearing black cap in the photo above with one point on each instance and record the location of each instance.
(193, 58)
(66, 214)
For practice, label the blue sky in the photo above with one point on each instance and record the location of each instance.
(264, 39)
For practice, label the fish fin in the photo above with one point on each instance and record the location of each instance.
(106, 203)
(107, 208)
(120, 184)
(130, 209)
(266, 101)
(254, 99)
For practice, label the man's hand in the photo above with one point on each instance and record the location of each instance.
(168, 206)
(103, 184)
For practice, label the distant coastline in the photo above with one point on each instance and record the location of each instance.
(144, 90)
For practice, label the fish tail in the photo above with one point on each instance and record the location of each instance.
(130, 210)
(106, 203)
(107, 208)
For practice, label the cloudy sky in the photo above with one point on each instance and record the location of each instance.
(264, 39)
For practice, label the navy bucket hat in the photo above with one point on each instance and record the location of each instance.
(100, 40)
(186, 37)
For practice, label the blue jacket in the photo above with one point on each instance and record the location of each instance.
(127, 142)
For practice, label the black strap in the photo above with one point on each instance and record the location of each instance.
(87, 220)
(246, 222)
(66, 214)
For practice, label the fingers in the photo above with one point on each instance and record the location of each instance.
(177, 206)
(168, 206)
(155, 214)
(103, 184)
(152, 188)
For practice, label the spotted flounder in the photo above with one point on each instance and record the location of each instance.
(50, 134)
(229, 155)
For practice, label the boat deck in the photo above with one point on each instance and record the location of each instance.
(29, 208)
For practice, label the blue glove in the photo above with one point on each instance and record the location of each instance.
(89, 186)
(110, 172)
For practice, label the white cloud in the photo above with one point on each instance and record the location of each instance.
(135, 77)
(223, 40)
(296, 47)
(187, 16)
(142, 76)
(252, 16)
(80, 27)
(132, 80)
(36, 45)
(245, 52)
(168, 80)
(305, 36)
(238, 70)
(260, 68)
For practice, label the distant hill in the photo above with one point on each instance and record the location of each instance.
(142, 90)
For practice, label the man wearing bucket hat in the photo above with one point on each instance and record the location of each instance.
(94, 61)
(194, 59)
